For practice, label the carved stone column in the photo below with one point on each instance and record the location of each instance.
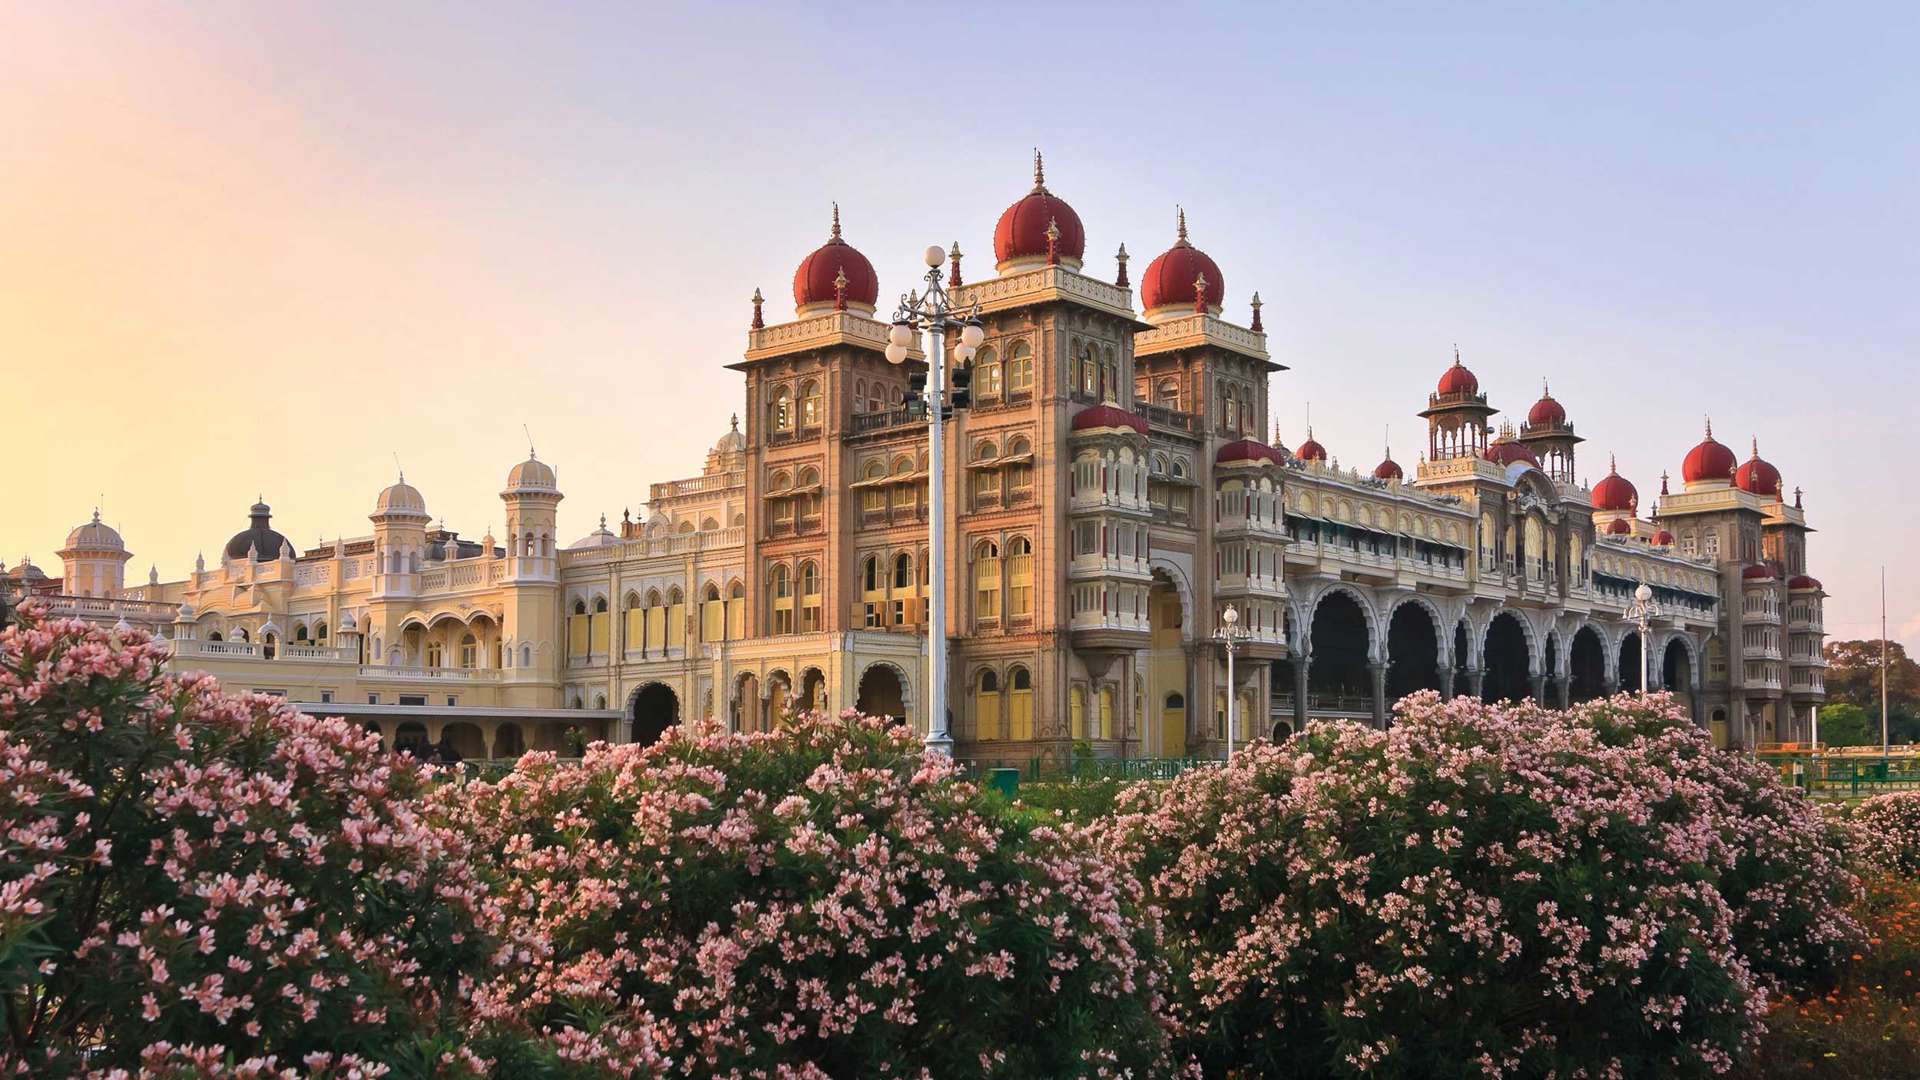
(1477, 682)
(1300, 666)
(1538, 686)
(1379, 673)
(1446, 682)
(1562, 691)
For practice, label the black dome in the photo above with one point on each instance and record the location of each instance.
(257, 537)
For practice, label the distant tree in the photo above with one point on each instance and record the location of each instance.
(1847, 724)
(1853, 675)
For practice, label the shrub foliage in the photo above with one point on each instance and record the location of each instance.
(187, 875)
(824, 901)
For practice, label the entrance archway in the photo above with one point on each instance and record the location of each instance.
(1282, 731)
(1586, 666)
(1630, 662)
(1676, 672)
(1505, 654)
(508, 742)
(881, 693)
(412, 739)
(1167, 664)
(464, 740)
(1340, 649)
(1462, 654)
(746, 703)
(1413, 652)
(655, 709)
(813, 691)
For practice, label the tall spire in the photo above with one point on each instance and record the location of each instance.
(836, 222)
(1613, 468)
(1120, 257)
(1709, 427)
(1039, 171)
(1256, 327)
(759, 320)
(953, 257)
(1181, 211)
(1756, 446)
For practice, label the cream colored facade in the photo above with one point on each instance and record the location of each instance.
(1110, 497)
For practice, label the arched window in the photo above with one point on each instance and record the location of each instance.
(1019, 374)
(470, 651)
(986, 581)
(781, 585)
(299, 633)
(870, 574)
(600, 605)
(1019, 704)
(860, 395)
(320, 633)
(903, 571)
(526, 656)
(810, 621)
(987, 374)
(986, 705)
(1019, 464)
(810, 404)
(780, 410)
(1019, 578)
(435, 656)
(1167, 394)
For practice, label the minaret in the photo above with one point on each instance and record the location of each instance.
(399, 539)
(532, 497)
(1457, 414)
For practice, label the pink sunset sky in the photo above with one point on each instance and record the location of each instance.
(265, 248)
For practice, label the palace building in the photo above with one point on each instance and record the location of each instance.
(1110, 493)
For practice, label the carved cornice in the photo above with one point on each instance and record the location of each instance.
(1193, 331)
(1045, 284)
(819, 332)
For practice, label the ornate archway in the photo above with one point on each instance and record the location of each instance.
(882, 693)
(1586, 665)
(1505, 654)
(1413, 650)
(654, 709)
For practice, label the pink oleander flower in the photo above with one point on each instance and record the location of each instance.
(1501, 888)
(201, 884)
(826, 900)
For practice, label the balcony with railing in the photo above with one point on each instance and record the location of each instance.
(429, 674)
(194, 648)
(868, 423)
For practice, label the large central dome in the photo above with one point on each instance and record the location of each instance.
(258, 537)
(1020, 240)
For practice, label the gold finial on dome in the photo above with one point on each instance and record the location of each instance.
(836, 222)
(1039, 171)
(1181, 211)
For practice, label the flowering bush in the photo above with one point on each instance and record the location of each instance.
(1790, 884)
(1480, 888)
(1887, 831)
(1867, 1026)
(823, 901)
(188, 876)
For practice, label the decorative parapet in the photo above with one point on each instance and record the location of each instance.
(652, 547)
(1193, 331)
(1044, 284)
(820, 332)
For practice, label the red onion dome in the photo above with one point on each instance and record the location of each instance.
(1107, 416)
(1619, 527)
(1757, 476)
(1710, 460)
(1663, 538)
(1457, 379)
(1615, 492)
(1171, 278)
(1546, 412)
(1802, 581)
(1389, 469)
(1022, 232)
(1758, 572)
(1248, 450)
(1311, 450)
(816, 283)
(1511, 452)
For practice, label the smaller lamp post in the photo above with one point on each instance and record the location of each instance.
(1230, 634)
(1643, 611)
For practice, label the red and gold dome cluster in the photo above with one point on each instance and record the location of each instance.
(835, 277)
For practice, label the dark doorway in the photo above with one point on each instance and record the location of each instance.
(880, 693)
(1339, 667)
(655, 709)
(1506, 657)
(1413, 652)
(1587, 666)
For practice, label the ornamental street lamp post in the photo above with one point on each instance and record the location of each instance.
(1230, 634)
(936, 311)
(1643, 611)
